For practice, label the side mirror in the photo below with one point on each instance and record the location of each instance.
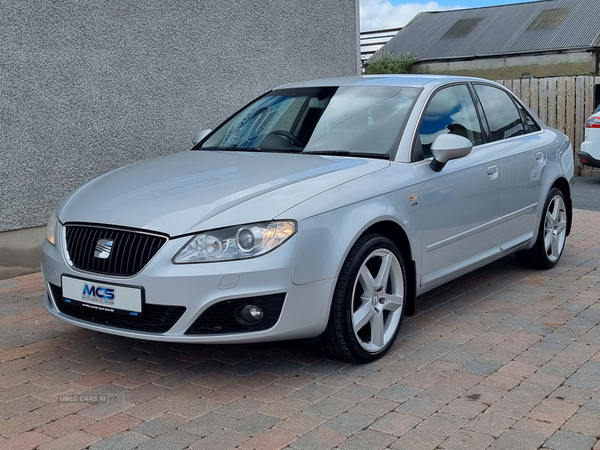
(200, 135)
(446, 147)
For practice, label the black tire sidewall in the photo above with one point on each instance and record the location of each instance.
(343, 296)
(540, 244)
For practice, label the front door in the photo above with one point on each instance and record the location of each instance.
(461, 204)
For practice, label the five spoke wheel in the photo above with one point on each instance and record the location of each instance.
(377, 300)
(555, 228)
(552, 234)
(368, 303)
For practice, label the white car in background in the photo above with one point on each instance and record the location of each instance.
(589, 155)
(321, 210)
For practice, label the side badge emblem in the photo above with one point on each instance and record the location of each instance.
(413, 199)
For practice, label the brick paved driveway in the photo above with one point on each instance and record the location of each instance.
(504, 358)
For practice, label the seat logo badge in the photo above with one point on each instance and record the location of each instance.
(103, 248)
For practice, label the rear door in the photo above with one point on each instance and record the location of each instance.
(522, 154)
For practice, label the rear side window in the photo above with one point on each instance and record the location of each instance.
(502, 115)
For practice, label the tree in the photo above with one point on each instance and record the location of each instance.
(388, 63)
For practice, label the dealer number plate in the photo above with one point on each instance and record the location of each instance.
(102, 297)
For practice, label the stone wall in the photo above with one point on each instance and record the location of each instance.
(508, 68)
(86, 87)
(89, 86)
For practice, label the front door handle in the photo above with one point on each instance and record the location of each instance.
(492, 172)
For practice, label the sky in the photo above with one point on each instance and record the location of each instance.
(381, 14)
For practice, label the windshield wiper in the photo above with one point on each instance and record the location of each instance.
(242, 149)
(347, 153)
(253, 149)
(232, 149)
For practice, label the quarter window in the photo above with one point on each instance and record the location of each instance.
(450, 111)
(530, 125)
(502, 115)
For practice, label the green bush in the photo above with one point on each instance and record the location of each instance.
(390, 64)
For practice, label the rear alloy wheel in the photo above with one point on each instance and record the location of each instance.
(552, 234)
(368, 302)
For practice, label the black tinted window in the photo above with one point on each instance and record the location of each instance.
(530, 125)
(502, 115)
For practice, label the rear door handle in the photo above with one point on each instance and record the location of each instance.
(492, 172)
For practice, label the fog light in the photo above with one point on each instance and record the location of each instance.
(251, 314)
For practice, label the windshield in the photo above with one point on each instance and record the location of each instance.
(346, 120)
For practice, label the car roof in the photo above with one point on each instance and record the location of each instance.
(412, 80)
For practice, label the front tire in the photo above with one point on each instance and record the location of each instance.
(368, 302)
(552, 234)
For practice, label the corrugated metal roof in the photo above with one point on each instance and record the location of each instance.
(544, 25)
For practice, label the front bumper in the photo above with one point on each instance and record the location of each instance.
(197, 287)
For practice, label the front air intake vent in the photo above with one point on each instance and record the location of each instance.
(155, 318)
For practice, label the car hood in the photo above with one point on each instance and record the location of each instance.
(198, 190)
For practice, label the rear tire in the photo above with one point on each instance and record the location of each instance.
(552, 234)
(368, 302)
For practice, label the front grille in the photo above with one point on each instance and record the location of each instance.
(129, 254)
(221, 317)
(155, 318)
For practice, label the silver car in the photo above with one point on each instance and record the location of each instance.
(321, 210)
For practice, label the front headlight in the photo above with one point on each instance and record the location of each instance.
(51, 229)
(244, 241)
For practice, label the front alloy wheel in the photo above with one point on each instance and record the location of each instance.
(377, 300)
(368, 302)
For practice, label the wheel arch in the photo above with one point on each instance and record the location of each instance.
(563, 185)
(398, 236)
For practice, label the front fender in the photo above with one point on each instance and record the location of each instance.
(325, 239)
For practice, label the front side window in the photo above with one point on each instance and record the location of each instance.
(502, 115)
(450, 111)
(361, 120)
